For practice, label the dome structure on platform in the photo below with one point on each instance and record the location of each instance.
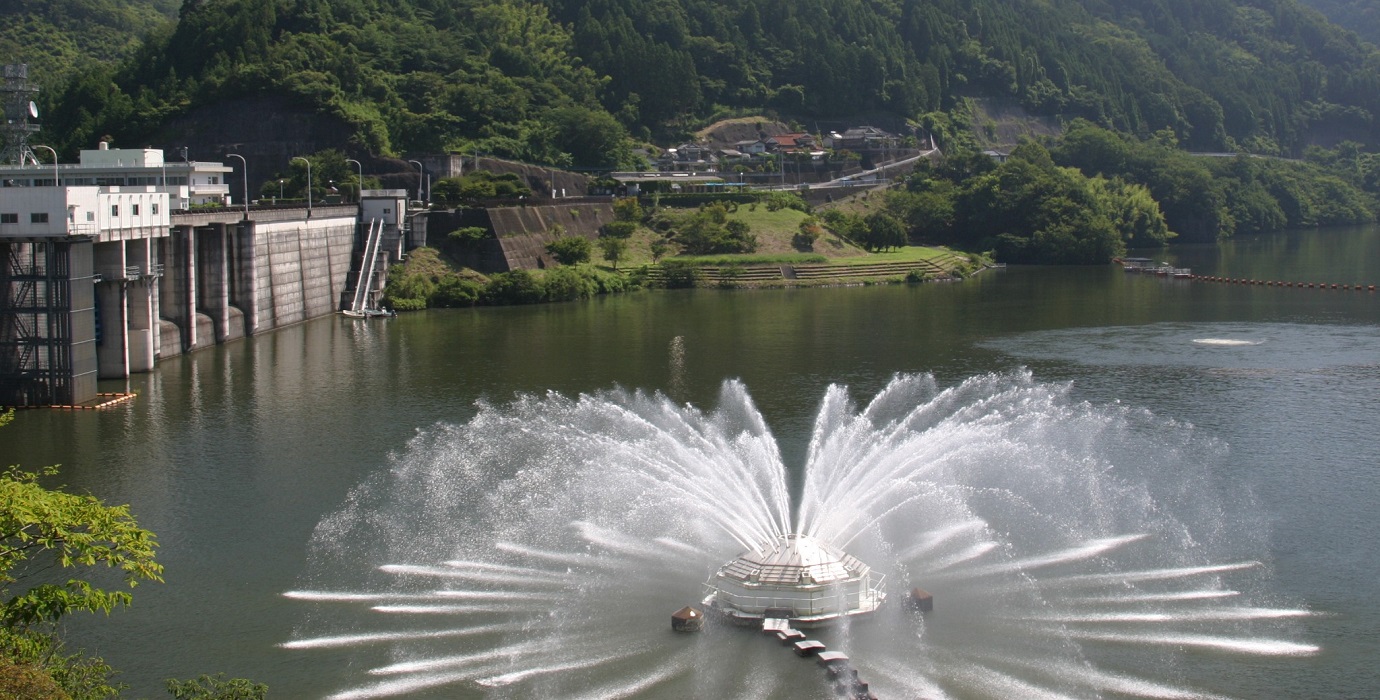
(795, 577)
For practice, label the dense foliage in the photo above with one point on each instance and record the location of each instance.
(425, 281)
(1026, 210)
(60, 38)
(1360, 16)
(562, 83)
(1204, 199)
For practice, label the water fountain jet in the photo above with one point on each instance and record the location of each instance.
(1076, 550)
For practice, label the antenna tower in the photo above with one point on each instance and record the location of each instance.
(21, 116)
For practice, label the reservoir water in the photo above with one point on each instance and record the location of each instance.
(1085, 423)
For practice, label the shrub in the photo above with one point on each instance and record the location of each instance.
(217, 687)
(456, 292)
(469, 235)
(29, 682)
(611, 282)
(680, 275)
(776, 201)
(515, 287)
(568, 284)
(405, 303)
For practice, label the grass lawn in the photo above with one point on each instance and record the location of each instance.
(774, 231)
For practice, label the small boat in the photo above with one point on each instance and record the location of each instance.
(353, 314)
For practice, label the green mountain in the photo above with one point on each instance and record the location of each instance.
(58, 38)
(1360, 16)
(561, 82)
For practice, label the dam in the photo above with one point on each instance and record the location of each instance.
(99, 281)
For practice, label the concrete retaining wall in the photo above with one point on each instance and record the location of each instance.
(520, 234)
(301, 268)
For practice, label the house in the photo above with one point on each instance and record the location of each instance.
(998, 156)
(751, 147)
(864, 138)
(187, 183)
(688, 157)
(792, 143)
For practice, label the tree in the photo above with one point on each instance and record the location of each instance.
(809, 232)
(619, 229)
(569, 250)
(884, 232)
(627, 209)
(593, 138)
(447, 191)
(46, 529)
(42, 528)
(612, 249)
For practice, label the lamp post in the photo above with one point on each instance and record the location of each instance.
(420, 172)
(55, 164)
(308, 162)
(280, 189)
(359, 193)
(244, 164)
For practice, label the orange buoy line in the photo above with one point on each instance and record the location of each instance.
(1292, 285)
(103, 400)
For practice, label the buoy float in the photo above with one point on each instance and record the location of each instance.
(687, 619)
(920, 600)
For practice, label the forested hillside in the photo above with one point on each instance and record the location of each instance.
(560, 82)
(1360, 16)
(58, 38)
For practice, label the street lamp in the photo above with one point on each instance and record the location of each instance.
(55, 164)
(245, 164)
(420, 172)
(359, 190)
(308, 162)
(280, 189)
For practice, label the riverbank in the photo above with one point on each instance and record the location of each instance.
(427, 280)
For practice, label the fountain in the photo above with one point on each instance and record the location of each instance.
(536, 551)
(796, 578)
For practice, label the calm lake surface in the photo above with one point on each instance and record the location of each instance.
(234, 455)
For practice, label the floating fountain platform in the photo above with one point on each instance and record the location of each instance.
(796, 578)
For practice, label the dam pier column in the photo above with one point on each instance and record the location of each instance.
(112, 343)
(245, 291)
(178, 290)
(212, 282)
(140, 305)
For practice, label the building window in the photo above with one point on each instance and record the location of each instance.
(136, 210)
(386, 210)
(9, 218)
(215, 180)
(155, 208)
(114, 210)
(90, 216)
(38, 217)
